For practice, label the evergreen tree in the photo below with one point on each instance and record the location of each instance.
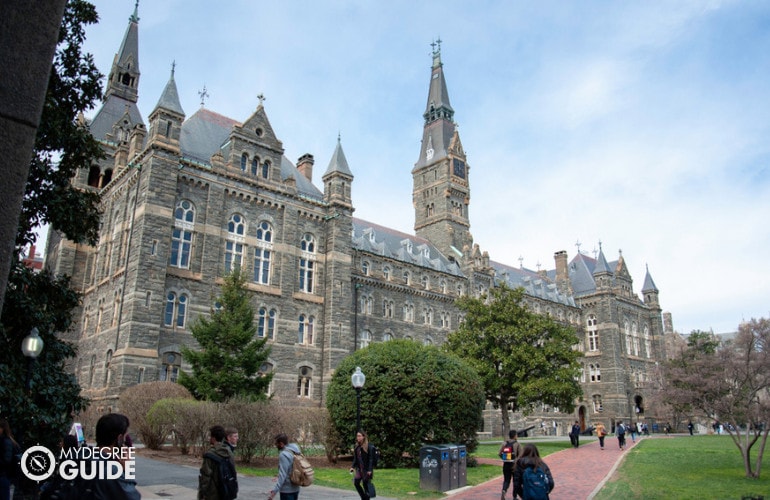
(43, 301)
(230, 355)
(524, 359)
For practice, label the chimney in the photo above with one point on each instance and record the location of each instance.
(305, 166)
(562, 273)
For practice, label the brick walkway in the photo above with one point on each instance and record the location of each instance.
(578, 473)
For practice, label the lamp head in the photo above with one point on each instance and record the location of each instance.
(358, 378)
(32, 345)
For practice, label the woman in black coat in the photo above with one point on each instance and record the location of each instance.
(362, 465)
(530, 458)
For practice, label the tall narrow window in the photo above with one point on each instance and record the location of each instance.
(597, 400)
(169, 370)
(265, 169)
(182, 235)
(234, 243)
(254, 166)
(307, 263)
(244, 161)
(266, 324)
(647, 342)
(306, 327)
(265, 370)
(364, 339)
(386, 272)
(176, 310)
(263, 253)
(304, 382)
(108, 368)
(593, 333)
(635, 338)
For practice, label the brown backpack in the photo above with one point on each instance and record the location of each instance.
(302, 473)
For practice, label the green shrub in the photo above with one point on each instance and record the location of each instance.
(137, 400)
(414, 395)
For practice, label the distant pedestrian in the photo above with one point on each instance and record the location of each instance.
(574, 434)
(632, 428)
(690, 427)
(601, 432)
(283, 484)
(620, 430)
(210, 485)
(509, 452)
(363, 465)
(231, 438)
(530, 459)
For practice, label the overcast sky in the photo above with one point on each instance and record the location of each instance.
(643, 125)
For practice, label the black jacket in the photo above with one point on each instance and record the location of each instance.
(518, 474)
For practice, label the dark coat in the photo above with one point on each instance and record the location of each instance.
(518, 474)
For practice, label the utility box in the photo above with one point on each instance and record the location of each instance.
(434, 468)
(462, 469)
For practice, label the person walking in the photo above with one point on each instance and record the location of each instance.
(231, 438)
(509, 452)
(283, 484)
(209, 487)
(621, 432)
(363, 468)
(690, 427)
(530, 459)
(601, 432)
(111, 432)
(574, 434)
(7, 446)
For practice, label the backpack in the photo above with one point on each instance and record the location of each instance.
(227, 484)
(302, 473)
(535, 484)
(510, 451)
(621, 430)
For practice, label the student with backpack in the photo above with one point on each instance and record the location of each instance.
(364, 458)
(621, 432)
(509, 452)
(218, 479)
(532, 479)
(284, 485)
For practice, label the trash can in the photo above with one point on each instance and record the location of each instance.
(462, 470)
(454, 466)
(434, 468)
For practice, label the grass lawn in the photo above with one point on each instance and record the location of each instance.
(405, 483)
(698, 467)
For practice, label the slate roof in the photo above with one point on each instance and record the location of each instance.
(169, 99)
(304, 186)
(204, 133)
(387, 242)
(338, 163)
(111, 112)
(532, 282)
(649, 285)
(582, 269)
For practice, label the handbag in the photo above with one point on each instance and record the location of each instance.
(371, 491)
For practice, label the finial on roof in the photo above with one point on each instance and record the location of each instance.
(261, 97)
(135, 16)
(173, 67)
(538, 265)
(339, 137)
(577, 244)
(436, 46)
(595, 252)
(600, 245)
(203, 94)
(521, 262)
(620, 252)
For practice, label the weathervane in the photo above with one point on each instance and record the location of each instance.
(203, 95)
(261, 98)
(521, 262)
(577, 244)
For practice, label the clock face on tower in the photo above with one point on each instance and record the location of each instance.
(459, 168)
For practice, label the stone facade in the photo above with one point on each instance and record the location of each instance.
(187, 198)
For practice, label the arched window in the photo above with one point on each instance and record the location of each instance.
(244, 161)
(266, 323)
(234, 243)
(367, 304)
(427, 315)
(365, 267)
(254, 166)
(307, 263)
(92, 370)
(364, 339)
(387, 308)
(409, 313)
(386, 273)
(387, 336)
(176, 310)
(627, 330)
(597, 400)
(425, 282)
(304, 383)
(265, 370)
(169, 369)
(263, 253)
(407, 278)
(305, 330)
(592, 328)
(182, 235)
(442, 285)
(647, 342)
(635, 338)
(595, 373)
(265, 169)
(427, 341)
(108, 368)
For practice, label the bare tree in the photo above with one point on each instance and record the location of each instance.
(728, 383)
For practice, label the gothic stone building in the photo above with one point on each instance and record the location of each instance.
(185, 199)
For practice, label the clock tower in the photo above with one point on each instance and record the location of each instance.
(441, 193)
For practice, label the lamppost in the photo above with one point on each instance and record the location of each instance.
(358, 378)
(31, 346)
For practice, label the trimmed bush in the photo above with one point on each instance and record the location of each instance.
(137, 400)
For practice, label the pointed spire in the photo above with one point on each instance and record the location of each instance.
(601, 262)
(649, 285)
(123, 80)
(169, 99)
(438, 106)
(338, 163)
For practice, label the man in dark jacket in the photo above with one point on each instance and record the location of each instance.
(208, 479)
(111, 431)
(574, 435)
